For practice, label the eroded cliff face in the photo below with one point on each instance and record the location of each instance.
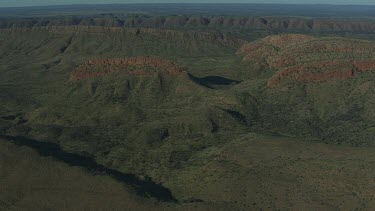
(266, 23)
(309, 59)
(220, 38)
(127, 66)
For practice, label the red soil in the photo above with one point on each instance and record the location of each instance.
(308, 59)
(311, 72)
(365, 65)
(142, 65)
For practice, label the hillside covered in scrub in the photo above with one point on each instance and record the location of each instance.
(191, 118)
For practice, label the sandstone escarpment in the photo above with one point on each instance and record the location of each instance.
(292, 24)
(309, 59)
(219, 38)
(136, 66)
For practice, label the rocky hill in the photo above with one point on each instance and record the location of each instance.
(310, 59)
(323, 85)
(181, 109)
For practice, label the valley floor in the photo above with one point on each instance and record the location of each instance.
(252, 172)
(31, 182)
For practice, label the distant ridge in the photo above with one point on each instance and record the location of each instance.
(281, 24)
(240, 9)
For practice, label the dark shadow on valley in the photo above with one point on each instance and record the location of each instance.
(145, 188)
(214, 82)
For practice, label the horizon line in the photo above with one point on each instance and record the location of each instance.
(60, 5)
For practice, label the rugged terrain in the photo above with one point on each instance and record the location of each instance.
(233, 24)
(309, 59)
(195, 118)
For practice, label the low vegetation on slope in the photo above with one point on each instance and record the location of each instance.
(163, 104)
(308, 59)
(132, 122)
(323, 86)
(280, 24)
(30, 181)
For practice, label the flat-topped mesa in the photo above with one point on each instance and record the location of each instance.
(309, 59)
(136, 66)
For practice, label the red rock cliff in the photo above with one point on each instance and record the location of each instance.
(127, 66)
(309, 59)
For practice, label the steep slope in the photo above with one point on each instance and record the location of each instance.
(322, 86)
(147, 124)
(182, 109)
(84, 43)
(125, 97)
(129, 66)
(309, 59)
(223, 39)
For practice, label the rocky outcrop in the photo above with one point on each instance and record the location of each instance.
(135, 66)
(310, 59)
(268, 47)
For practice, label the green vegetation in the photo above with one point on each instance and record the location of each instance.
(237, 144)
